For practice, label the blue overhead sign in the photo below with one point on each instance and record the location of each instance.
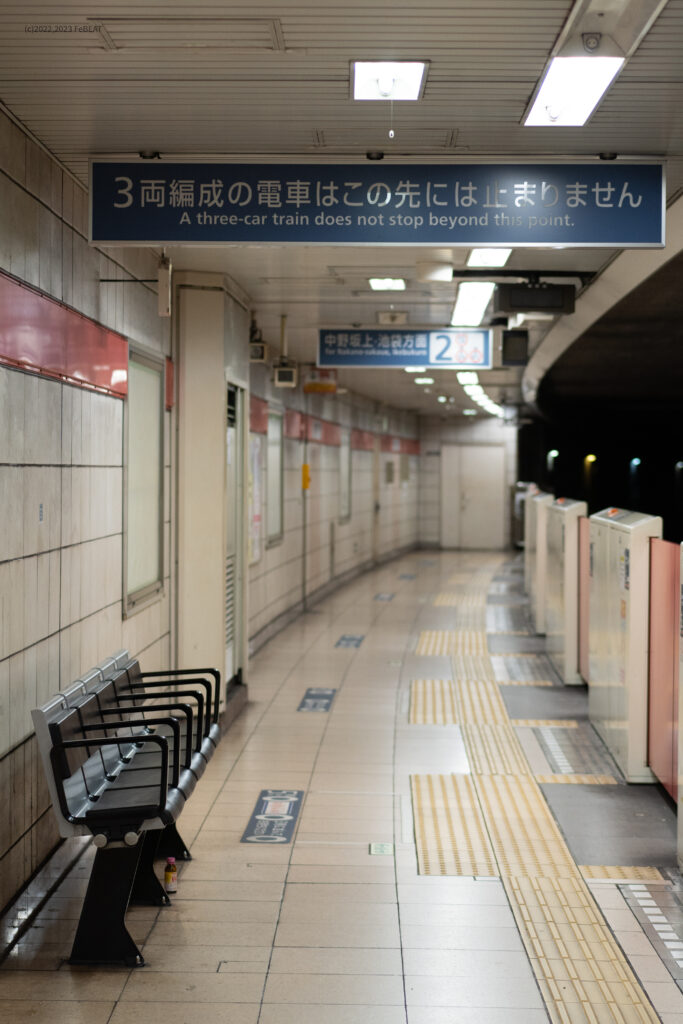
(447, 349)
(593, 204)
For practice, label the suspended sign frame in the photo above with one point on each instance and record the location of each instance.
(595, 204)
(452, 348)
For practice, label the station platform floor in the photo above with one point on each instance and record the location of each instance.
(516, 878)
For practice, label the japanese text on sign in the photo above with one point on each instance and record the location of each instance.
(525, 204)
(449, 348)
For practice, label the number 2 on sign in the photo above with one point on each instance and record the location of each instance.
(456, 348)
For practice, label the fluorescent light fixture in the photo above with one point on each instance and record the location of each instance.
(388, 79)
(471, 302)
(488, 257)
(571, 90)
(424, 380)
(415, 369)
(473, 389)
(468, 377)
(469, 412)
(430, 272)
(387, 284)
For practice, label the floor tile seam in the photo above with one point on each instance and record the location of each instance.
(324, 731)
(398, 824)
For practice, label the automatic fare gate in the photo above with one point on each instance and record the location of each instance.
(618, 639)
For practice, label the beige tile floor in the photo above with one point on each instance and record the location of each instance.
(318, 931)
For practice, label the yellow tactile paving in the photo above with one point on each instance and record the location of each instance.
(453, 600)
(547, 723)
(467, 666)
(581, 971)
(621, 873)
(446, 642)
(471, 618)
(432, 702)
(576, 780)
(525, 682)
(480, 703)
(523, 832)
(493, 750)
(449, 828)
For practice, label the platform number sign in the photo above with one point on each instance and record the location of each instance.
(458, 348)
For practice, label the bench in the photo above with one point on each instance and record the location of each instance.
(123, 751)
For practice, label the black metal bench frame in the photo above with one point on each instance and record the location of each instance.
(98, 742)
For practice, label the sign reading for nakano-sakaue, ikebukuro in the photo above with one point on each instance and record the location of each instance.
(585, 204)
(450, 348)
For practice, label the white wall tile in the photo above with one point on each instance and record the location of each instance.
(11, 512)
(4, 706)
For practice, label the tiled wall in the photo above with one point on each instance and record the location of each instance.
(333, 546)
(61, 479)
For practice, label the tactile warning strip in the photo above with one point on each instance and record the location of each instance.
(445, 642)
(576, 780)
(471, 618)
(621, 873)
(467, 666)
(523, 832)
(432, 702)
(449, 827)
(581, 970)
(480, 703)
(582, 973)
(468, 600)
(527, 682)
(494, 750)
(547, 723)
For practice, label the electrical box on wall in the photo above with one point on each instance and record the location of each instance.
(258, 352)
(285, 375)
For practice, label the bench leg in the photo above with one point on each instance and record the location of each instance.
(102, 937)
(147, 888)
(171, 844)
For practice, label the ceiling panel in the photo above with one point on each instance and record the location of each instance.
(259, 81)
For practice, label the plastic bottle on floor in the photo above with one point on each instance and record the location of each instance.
(171, 875)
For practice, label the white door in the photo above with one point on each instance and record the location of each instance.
(473, 497)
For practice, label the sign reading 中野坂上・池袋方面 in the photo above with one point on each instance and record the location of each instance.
(448, 348)
(576, 204)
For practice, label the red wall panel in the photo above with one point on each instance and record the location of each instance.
(42, 336)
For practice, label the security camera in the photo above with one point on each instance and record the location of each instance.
(375, 154)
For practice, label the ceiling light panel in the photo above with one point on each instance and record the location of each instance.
(388, 80)
(387, 284)
(571, 90)
(488, 257)
(471, 303)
